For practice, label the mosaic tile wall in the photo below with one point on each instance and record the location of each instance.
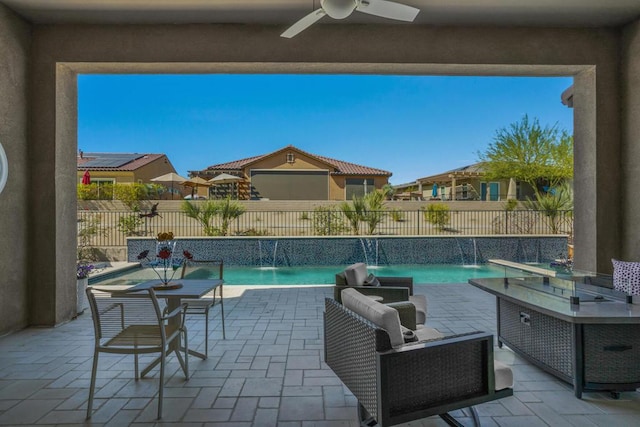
(267, 252)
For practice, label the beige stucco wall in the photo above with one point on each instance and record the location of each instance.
(15, 45)
(592, 56)
(630, 159)
(153, 169)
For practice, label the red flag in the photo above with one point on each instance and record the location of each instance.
(86, 178)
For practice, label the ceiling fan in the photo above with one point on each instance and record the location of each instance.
(340, 9)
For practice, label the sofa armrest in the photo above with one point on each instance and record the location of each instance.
(402, 282)
(407, 312)
(341, 279)
(459, 369)
(388, 293)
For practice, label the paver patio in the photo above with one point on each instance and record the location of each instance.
(268, 372)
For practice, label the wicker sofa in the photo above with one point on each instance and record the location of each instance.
(399, 383)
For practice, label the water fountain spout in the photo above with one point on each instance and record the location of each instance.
(370, 247)
(268, 253)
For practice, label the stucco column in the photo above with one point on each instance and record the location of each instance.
(630, 142)
(453, 188)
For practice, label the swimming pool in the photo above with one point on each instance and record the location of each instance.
(324, 275)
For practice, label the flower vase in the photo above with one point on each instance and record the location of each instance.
(81, 301)
(164, 254)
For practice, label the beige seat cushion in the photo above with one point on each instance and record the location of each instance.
(503, 375)
(425, 333)
(356, 274)
(381, 315)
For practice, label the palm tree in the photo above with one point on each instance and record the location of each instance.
(228, 210)
(553, 203)
(204, 214)
(373, 213)
(354, 212)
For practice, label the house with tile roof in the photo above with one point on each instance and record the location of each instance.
(463, 183)
(294, 174)
(122, 168)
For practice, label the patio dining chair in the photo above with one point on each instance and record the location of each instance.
(134, 323)
(205, 269)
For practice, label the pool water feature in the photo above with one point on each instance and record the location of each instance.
(325, 275)
(259, 251)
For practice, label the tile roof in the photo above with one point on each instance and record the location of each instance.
(115, 161)
(476, 169)
(340, 167)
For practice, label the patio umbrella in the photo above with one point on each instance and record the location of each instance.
(511, 191)
(86, 178)
(170, 177)
(196, 182)
(225, 178)
(434, 191)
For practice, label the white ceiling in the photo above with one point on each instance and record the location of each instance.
(553, 13)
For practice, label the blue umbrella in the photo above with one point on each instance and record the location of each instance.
(434, 192)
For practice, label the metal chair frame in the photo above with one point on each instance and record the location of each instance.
(203, 305)
(134, 323)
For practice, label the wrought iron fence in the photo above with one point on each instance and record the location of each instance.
(111, 228)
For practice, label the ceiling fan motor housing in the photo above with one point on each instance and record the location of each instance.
(339, 9)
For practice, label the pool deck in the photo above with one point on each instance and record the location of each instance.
(268, 372)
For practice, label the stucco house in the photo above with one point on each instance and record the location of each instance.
(123, 168)
(293, 174)
(469, 183)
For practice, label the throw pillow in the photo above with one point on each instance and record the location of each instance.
(356, 274)
(371, 280)
(626, 276)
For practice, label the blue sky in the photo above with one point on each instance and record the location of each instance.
(412, 126)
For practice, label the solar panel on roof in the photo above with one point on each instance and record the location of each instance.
(109, 160)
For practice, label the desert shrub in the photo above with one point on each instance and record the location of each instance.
(128, 224)
(205, 213)
(438, 215)
(397, 215)
(510, 205)
(327, 222)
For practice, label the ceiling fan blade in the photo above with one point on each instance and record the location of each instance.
(388, 9)
(304, 23)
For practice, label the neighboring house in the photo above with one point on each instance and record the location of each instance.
(469, 184)
(123, 168)
(293, 174)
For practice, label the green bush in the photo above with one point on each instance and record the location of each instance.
(438, 215)
(129, 224)
(510, 205)
(327, 222)
(397, 215)
(226, 209)
(94, 191)
(89, 227)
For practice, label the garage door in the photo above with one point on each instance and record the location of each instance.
(290, 185)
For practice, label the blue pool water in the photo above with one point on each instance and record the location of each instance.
(431, 273)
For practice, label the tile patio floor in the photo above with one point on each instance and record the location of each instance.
(268, 372)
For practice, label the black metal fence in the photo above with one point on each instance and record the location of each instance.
(111, 228)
